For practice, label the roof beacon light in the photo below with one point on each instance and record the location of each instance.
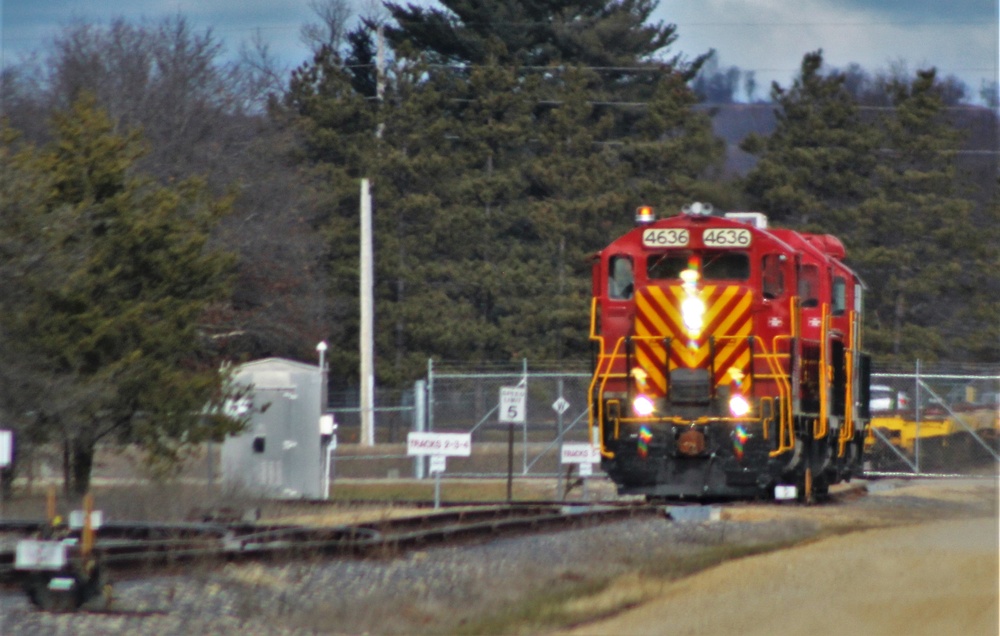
(698, 209)
(644, 214)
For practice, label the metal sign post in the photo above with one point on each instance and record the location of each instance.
(6, 457)
(560, 406)
(438, 446)
(584, 456)
(513, 404)
(437, 467)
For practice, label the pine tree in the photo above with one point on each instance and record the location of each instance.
(921, 254)
(107, 313)
(492, 186)
(817, 166)
(671, 150)
(889, 190)
(598, 33)
(336, 127)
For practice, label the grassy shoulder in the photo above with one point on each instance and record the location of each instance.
(563, 604)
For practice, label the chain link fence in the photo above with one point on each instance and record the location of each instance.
(464, 399)
(555, 412)
(925, 420)
(935, 420)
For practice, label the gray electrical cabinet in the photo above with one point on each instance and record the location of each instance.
(283, 452)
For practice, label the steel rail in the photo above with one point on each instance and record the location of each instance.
(134, 548)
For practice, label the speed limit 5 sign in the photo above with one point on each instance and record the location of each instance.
(513, 404)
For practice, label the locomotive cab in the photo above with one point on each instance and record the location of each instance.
(723, 351)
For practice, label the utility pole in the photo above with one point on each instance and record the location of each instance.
(380, 77)
(367, 321)
(367, 339)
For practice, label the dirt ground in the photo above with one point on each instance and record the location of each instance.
(936, 576)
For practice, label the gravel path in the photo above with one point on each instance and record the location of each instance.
(431, 591)
(934, 579)
(446, 589)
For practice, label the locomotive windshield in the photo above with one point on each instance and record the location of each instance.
(715, 265)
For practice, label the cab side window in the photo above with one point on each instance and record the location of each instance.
(839, 296)
(621, 280)
(772, 276)
(809, 286)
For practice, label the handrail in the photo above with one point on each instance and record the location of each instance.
(594, 304)
(599, 372)
(821, 426)
(776, 362)
(765, 421)
(786, 432)
(847, 430)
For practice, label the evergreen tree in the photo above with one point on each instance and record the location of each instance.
(491, 186)
(924, 259)
(425, 223)
(598, 33)
(105, 314)
(817, 166)
(671, 151)
(889, 190)
(974, 295)
(336, 126)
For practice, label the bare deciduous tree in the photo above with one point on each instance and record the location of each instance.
(330, 31)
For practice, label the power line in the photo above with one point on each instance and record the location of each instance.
(653, 66)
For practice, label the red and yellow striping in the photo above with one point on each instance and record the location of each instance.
(728, 319)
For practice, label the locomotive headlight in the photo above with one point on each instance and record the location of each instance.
(642, 406)
(693, 314)
(738, 405)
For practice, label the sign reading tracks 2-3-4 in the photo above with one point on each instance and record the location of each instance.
(446, 444)
(438, 446)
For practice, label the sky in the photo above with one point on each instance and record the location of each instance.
(769, 37)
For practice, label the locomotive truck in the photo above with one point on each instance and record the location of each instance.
(727, 359)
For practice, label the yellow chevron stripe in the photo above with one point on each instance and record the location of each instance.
(654, 374)
(673, 308)
(646, 307)
(739, 313)
(656, 301)
(687, 355)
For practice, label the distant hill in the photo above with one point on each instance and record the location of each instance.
(979, 161)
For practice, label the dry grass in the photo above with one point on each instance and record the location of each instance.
(585, 597)
(173, 500)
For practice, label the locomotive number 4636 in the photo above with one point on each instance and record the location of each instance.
(665, 237)
(726, 237)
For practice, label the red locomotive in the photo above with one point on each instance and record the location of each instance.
(728, 359)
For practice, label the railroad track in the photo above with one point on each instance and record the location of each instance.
(128, 549)
(124, 551)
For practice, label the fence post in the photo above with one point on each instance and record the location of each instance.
(524, 427)
(916, 397)
(430, 394)
(419, 422)
(560, 491)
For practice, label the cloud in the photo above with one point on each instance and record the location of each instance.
(31, 25)
(771, 36)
